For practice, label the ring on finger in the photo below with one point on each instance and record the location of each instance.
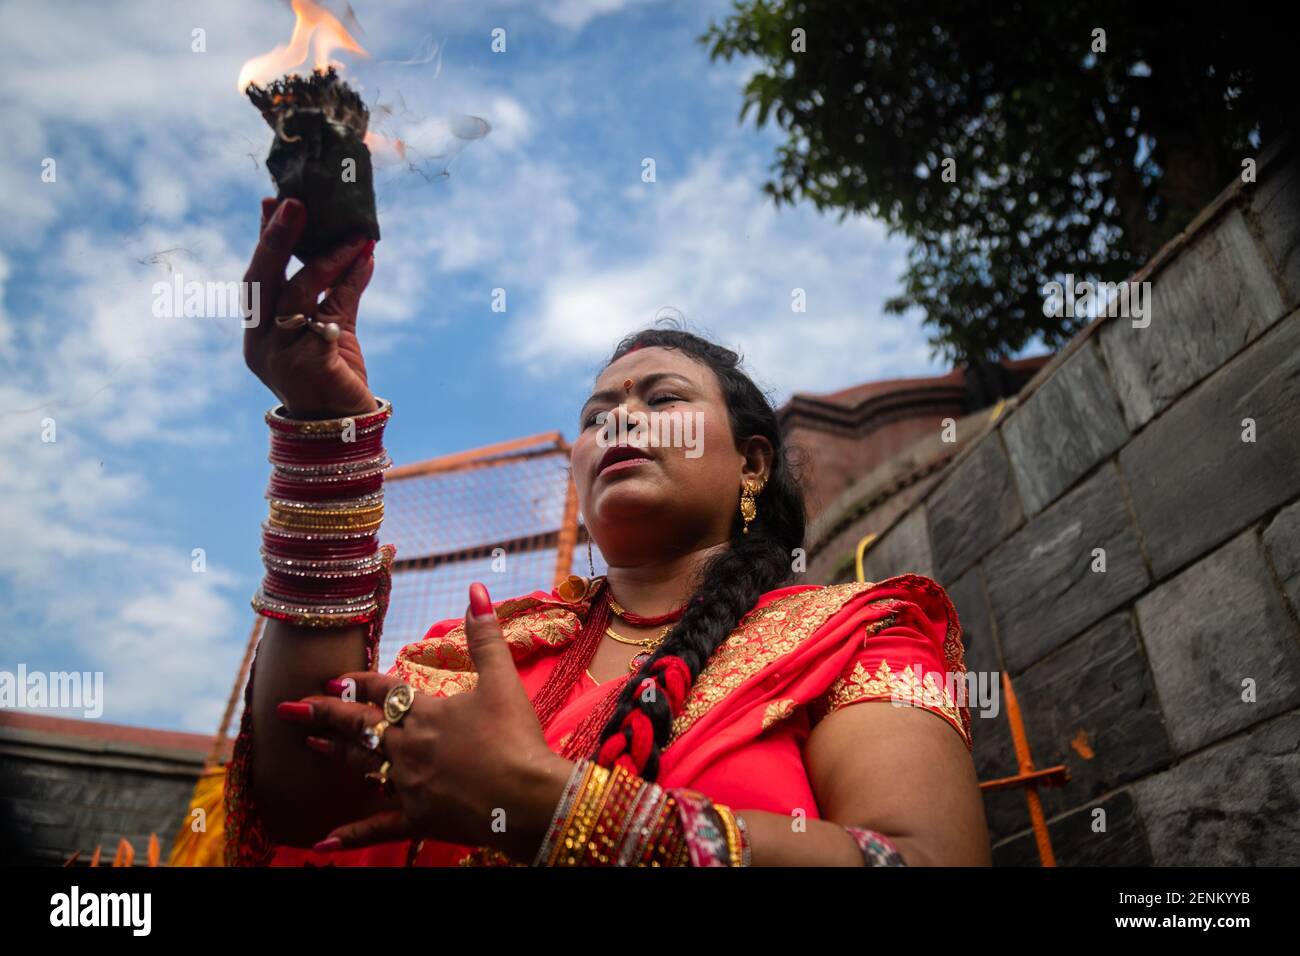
(397, 702)
(329, 331)
(372, 737)
(287, 322)
(380, 776)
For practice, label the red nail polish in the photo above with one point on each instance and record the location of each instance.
(335, 686)
(294, 710)
(480, 604)
(320, 745)
(327, 846)
(291, 212)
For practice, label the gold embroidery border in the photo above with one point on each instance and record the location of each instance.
(442, 666)
(903, 689)
(763, 636)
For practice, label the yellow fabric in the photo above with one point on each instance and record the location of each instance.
(205, 846)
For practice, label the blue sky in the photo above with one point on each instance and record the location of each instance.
(160, 447)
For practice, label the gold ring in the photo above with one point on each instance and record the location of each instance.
(397, 702)
(372, 737)
(380, 776)
(295, 321)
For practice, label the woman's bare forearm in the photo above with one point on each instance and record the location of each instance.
(775, 840)
(780, 840)
(301, 795)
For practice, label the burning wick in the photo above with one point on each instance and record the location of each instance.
(320, 156)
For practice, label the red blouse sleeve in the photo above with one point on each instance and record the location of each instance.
(912, 656)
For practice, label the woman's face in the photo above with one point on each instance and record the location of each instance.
(659, 474)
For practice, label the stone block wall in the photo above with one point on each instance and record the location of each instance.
(71, 785)
(1124, 542)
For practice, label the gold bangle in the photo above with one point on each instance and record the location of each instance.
(341, 523)
(363, 511)
(728, 818)
(567, 824)
(573, 840)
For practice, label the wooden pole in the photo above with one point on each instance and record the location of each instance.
(1021, 743)
(568, 534)
(219, 744)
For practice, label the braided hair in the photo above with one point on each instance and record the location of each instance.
(727, 586)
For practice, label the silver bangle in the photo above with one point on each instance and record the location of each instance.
(362, 468)
(343, 505)
(746, 857)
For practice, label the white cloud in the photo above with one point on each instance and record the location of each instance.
(575, 14)
(712, 247)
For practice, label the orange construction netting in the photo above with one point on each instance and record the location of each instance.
(505, 515)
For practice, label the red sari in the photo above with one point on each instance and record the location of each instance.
(800, 654)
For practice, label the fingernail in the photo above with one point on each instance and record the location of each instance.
(290, 211)
(480, 605)
(335, 686)
(321, 745)
(328, 846)
(294, 710)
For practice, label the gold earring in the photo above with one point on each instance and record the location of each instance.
(748, 508)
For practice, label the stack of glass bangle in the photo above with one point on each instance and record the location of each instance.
(320, 541)
(612, 817)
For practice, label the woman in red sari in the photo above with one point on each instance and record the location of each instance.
(691, 707)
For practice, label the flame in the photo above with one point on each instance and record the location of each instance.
(314, 27)
(385, 149)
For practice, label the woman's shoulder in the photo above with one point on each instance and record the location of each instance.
(855, 611)
(857, 597)
(902, 641)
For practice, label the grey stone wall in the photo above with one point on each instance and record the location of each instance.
(1124, 542)
(60, 793)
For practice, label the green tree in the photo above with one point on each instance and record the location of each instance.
(1072, 151)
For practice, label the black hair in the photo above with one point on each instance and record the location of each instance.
(730, 583)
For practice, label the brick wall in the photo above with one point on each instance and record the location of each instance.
(1169, 682)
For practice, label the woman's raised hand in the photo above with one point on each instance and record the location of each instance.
(314, 378)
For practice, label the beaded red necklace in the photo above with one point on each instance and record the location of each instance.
(577, 657)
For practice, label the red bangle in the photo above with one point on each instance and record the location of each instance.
(320, 549)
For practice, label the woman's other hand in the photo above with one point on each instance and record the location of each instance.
(314, 378)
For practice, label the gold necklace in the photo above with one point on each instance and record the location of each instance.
(649, 643)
